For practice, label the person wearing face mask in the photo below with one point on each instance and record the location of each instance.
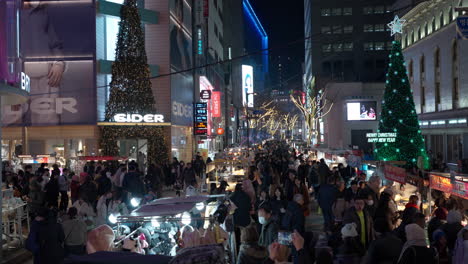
(371, 190)
(103, 208)
(269, 231)
(359, 215)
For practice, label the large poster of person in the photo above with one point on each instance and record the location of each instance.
(247, 86)
(57, 43)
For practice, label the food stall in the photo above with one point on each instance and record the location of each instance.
(170, 225)
(82, 160)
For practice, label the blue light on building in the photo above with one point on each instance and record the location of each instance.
(261, 31)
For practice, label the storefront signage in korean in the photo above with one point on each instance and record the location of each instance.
(200, 124)
(444, 184)
(381, 137)
(394, 173)
(216, 104)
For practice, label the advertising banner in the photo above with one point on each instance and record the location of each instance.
(444, 184)
(216, 104)
(394, 173)
(181, 59)
(57, 44)
(361, 111)
(462, 27)
(247, 86)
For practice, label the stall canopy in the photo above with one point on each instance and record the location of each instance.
(102, 158)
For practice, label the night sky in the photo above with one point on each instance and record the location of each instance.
(284, 22)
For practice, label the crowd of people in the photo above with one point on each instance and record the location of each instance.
(282, 188)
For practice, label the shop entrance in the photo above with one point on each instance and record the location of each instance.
(134, 149)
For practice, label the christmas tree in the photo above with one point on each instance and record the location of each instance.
(130, 89)
(399, 116)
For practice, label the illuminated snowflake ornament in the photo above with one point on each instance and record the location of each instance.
(396, 26)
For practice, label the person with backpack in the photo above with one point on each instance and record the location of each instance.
(416, 250)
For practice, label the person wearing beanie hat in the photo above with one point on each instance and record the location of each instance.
(416, 250)
(439, 219)
(351, 250)
(440, 244)
(452, 227)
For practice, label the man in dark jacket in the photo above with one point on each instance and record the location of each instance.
(326, 197)
(88, 191)
(269, 231)
(294, 218)
(323, 171)
(132, 182)
(289, 185)
(302, 170)
(188, 175)
(358, 215)
(387, 247)
(243, 204)
(27, 177)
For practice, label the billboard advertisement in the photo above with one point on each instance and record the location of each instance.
(8, 50)
(247, 86)
(361, 111)
(205, 85)
(57, 44)
(216, 104)
(181, 59)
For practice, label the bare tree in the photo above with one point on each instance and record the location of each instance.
(315, 106)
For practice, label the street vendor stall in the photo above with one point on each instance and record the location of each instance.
(82, 160)
(169, 226)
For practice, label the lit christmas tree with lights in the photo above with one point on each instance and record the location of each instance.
(399, 113)
(130, 90)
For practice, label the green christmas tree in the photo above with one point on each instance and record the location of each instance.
(399, 116)
(130, 89)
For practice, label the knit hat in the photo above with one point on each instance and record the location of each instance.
(414, 232)
(441, 213)
(454, 216)
(349, 230)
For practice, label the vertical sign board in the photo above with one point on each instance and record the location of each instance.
(216, 104)
(394, 173)
(200, 122)
(462, 27)
(247, 86)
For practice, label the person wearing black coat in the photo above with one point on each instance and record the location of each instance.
(104, 183)
(188, 175)
(289, 185)
(294, 218)
(51, 238)
(132, 183)
(386, 248)
(243, 204)
(326, 198)
(52, 191)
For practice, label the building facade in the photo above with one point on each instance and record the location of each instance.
(436, 59)
(347, 41)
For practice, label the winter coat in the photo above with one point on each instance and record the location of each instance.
(323, 172)
(75, 231)
(384, 250)
(351, 216)
(350, 252)
(36, 195)
(243, 204)
(88, 192)
(133, 184)
(451, 230)
(75, 190)
(268, 234)
(327, 195)
(51, 239)
(294, 218)
(252, 254)
(434, 224)
(188, 176)
(289, 189)
(104, 185)
(419, 254)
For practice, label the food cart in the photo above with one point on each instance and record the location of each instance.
(164, 221)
